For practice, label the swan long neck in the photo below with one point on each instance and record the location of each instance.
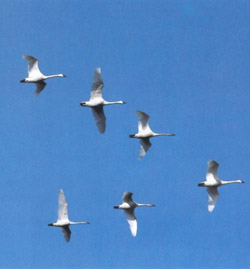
(139, 205)
(56, 75)
(78, 222)
(231, 181)
(113, 103)
(163, 134)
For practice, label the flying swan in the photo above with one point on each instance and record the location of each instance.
(128, 205)
(213, 182)
(63, 220)
(145, 133)
(97, 102)
(35, 75)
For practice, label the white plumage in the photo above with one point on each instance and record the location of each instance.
(35, 75)
(96, 101)
(145, 133)
(213, 182)
(128, 205)
(63, 221)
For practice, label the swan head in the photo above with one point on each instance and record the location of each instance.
(50, 224)
(83, 104)
(64, 76)
(23, 80)
(202, 184)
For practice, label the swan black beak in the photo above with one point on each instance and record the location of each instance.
(23, 80)
(64, 76)
(51, 224)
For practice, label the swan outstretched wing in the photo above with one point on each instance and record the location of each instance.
(213, 195)
(144, 147)
(127, 197)
(62, 207)
(142, 121)
(96, 90)
(212, 176)
(39, 87)
(66, 232)
(129, 213)
(33, 69)
(100, 118)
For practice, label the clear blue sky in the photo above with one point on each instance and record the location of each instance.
(186, 64)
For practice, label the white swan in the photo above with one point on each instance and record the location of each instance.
(63, 220)
(145, 133)
(128, 205)
(97, 102)
(35, 75)
(212, 182)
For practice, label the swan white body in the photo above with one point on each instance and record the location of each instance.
(213, 182)
(35, 75)
(97, 102)
(63, 220)
(128, 205)
(145, 133)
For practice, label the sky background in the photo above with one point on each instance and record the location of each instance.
(186, 64)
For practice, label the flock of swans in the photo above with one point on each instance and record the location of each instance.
(96, 103)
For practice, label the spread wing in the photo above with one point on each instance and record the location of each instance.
(62, 207)
(96, 90)
(145, 145)
(100, 118)
(39, 87)
(213, 195)
(129, 213)
(212, 176)
(127, 197)
(33, 69)
(66, 232)
(142, 121)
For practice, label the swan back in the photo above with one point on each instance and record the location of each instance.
(33, 69)
(97, 86)
(212, 176)
(143, 122)
(62, 207)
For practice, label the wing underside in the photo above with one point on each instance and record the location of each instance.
(100, 118)
(132, 221)
(66, 232)
(39, 87)
(33, 69)
(142, 121)
(145, 144)
(62, 207)
(212, 176)
(97, 86)
(213, 195)
(127, 197)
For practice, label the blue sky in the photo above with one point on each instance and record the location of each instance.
(186, 64)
